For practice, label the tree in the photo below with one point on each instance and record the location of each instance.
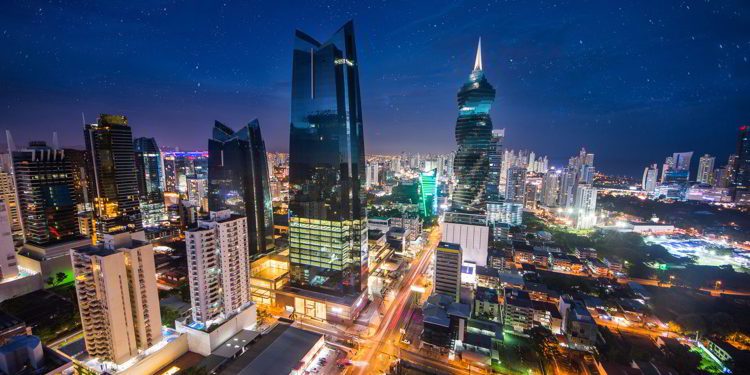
(682, 359)
(692, 323)
(168, 316)
(198, 370)
(60, 277)
(50, 281)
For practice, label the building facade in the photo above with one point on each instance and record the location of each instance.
(109, 143)
(238, 182)
(218, 265)
(471, 165)
(327, 217)
(46, 194)
(447, 276)
(150, 177)
(117, 297)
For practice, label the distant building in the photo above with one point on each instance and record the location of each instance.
(706, 169)
(741, 175)
(585, 206)
(650, 175)
(117, 297)
(150, 176)
(428, 193)
(550, 188)
(8, 260)
(516, 185)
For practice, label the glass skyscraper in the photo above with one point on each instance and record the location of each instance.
(238, 181)
(327, 218)
(109, 143)
(150, 177)
(475, 142)
(428, 194)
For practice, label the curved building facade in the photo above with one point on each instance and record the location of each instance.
(475, 144)
(327, 218)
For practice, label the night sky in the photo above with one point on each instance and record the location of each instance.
(631, 81)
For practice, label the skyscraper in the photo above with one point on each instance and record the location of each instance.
(150, 167)
(327, 217)
(677, 168)
(550, 188)
(650, 174)
(8, 195)
(741, 177)
(474, 139)
(8, 261)
(117, 297)
(706, 169)
(109, 143)
(46, 194)
(494, 194)
(238, 181)
(585, 206)
(428, 193)
(516, 185)
(219, 267)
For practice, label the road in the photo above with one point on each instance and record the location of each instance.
(380, 349)
(714, 292)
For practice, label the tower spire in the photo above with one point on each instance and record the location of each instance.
(478, 59)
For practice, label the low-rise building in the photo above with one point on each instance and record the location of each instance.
(597, 267)
(444, 321)
(486, 304)
(578, 325)
(517, 311)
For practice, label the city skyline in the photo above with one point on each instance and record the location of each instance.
(571, 78)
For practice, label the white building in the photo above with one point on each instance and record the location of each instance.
(117, 297)
(471, 232)
(373, 169)
(585, 206)
(650, 178)
(218, 267)
(8, 261)
(706, 169)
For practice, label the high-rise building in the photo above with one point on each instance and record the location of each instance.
(550, 188)
(741, 175)
(327, 217)
(585, 206)
(649, 180)
(197, 192)
(496, 161)
(46, 194)
(8, 195)
(516, 185)
(82, 183)
(109, 144)
(373, 169)
(219, 267)
(474, 139)
(238, 181)
(8, 261)
(447, 267)
(428, 193)
(706, 169)
(677, 168)
(150, 176)
(117, 297)
(530, 196)
(567, 189)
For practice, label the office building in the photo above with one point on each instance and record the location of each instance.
(741, 164)
(428, 194)
(516, 185)
(474, 139)
(327, 217)
(150, 177)
(706, 169)
(238, 182)
(117, 297)
(649, 180)
(218, 265)
(447, 278)
(494, 194)
(46, 195)
(109, 143)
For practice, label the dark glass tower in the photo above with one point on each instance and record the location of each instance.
(238, 181)
(46, 194)
(150, 167)
(742, 162)
(109, 143)
(474, 138)
(327, 218)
